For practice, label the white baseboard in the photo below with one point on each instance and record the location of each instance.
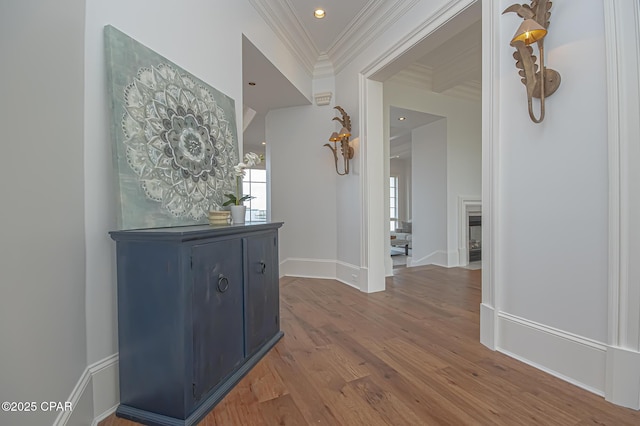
(106, 386)
(438, 257)
(605, 370)
(344, 272)
(81, 400)
(623, 377)
(308, 268)
(95, 389)
(75, 397)
(487, 326)
(348, 274)
(573, 358)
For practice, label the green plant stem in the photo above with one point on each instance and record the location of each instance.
(238, 196)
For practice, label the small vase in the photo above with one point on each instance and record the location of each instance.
(237, 214)
(219, 217)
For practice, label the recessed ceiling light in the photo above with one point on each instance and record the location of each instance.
(264, 143)
(252, 83)
(319, 13)
(402, 118)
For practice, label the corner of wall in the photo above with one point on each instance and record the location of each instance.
(344, 272)
(453, 258)
(623, 377)
(363, 278)
(348, 274)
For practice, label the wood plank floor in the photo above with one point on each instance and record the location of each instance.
(407, 356)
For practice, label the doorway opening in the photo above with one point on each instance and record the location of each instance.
(438, 28)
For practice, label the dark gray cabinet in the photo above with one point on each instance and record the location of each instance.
(262, 309)
(198, 307)
(217, 305)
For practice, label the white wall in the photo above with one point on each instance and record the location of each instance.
(429, 174)
(547, 188)
(348, 196)
(464, 150)
(554, 180)
(303, 188)
(42, 261)
(347, 232)
(309, 197)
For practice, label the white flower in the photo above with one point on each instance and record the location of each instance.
(239, 170)
(252, 159)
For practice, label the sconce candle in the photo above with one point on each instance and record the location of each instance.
(343, 137)
(540, 84)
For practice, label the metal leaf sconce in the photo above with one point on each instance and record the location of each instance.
(343, 137)
(543, 83)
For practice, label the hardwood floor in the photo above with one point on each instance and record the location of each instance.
(407, 356)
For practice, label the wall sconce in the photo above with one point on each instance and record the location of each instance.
(540, 84)
(342, 137)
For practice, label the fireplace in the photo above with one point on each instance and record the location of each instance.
(469, 229)
(475, 238)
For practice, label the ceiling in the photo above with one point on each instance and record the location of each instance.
(448, 61)
(326, 32)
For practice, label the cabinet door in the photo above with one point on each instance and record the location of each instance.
(262, 316)
(217, 306)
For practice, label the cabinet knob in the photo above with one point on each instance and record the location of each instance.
(263, 266)
(223, 283)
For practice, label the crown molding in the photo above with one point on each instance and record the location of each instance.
(323, 68)
(278, 14)
(370, 23)
(443, 15)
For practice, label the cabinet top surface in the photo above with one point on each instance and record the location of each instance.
(193, 231)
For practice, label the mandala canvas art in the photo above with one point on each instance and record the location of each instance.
(175, 138)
